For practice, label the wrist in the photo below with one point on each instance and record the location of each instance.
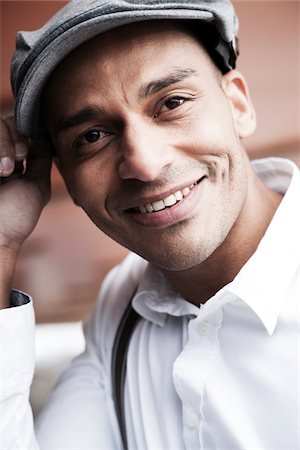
(8, 259)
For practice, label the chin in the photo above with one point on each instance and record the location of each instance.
(178, 261)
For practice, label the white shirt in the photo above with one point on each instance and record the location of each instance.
(222, 376)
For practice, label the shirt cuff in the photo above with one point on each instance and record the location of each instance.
(18, 298)
(17, 345)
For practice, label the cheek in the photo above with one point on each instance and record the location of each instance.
(87, 184)
(210, 130)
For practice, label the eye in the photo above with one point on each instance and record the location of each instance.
(170, 104)
(90, 137)
(174, 102)
(90, 140)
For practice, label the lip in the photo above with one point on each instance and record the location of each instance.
(136, 203)
(179, 212)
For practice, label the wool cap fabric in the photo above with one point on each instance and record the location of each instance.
(39, 52)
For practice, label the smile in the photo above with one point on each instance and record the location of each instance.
(167, 202)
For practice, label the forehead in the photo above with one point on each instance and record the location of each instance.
(116, 65)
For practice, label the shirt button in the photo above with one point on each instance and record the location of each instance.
(192, 420)
(203, 328)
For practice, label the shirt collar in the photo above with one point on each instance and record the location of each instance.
(155, 299)
(263, 280)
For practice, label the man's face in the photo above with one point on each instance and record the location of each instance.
(148, 144)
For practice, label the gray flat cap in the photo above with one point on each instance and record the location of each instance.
(39, 52)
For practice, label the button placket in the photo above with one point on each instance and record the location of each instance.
(192, 420)
(191, 369)
(203, 328)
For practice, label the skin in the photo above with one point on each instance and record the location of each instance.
(22, 198)
(142, 113)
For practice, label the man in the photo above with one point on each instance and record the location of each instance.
(144, 114)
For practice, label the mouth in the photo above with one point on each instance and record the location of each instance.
(164, 203)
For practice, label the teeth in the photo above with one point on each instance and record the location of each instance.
(158, 206)
(185, 191)
(143, 209)
(178, 195)
(168, 201)
(149, 207)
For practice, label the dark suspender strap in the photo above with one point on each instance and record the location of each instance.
(118, 364)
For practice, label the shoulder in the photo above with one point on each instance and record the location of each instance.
(116, 291)
(120, 284)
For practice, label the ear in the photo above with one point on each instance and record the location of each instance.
(236, 90)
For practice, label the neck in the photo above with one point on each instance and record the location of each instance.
(201, 282)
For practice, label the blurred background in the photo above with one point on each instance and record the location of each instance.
(64, 262)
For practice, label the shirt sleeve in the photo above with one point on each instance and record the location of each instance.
(16, 372)
(80, 412)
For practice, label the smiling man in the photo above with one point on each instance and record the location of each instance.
(143, 111)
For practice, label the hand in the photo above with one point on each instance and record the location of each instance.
(23, 193)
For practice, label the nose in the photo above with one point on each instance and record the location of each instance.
(145, 152)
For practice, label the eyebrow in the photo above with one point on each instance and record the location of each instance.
(157, 85)
(91, 112)
(78, 118)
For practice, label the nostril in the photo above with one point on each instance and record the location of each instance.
(139, 169)
(142, 156)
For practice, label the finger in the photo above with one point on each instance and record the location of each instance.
(7, 150)
(20, 142)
